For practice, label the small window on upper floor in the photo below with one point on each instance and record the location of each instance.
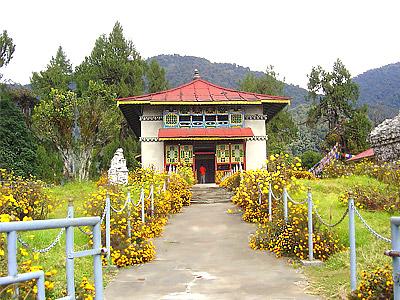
(236, 119)
(171, 120)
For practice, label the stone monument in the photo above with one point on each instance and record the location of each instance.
(118, 172)
(385, 139)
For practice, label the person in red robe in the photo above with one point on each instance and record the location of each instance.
(203, 171)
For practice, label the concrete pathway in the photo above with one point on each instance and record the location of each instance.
(204, 254)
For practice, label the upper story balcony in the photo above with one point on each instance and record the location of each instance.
(203, 118)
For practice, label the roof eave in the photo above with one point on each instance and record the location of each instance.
(230, 102)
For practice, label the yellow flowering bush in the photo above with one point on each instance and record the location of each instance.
(138, 249)
(85, 290)
(27, 262)
(291, 239)
(186, 172)
(232, 182)
(376, 284)
(247, 185)
(284, 239)
(23, 197)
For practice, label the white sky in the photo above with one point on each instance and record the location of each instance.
(291, 35)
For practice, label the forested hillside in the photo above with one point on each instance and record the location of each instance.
(380, 89)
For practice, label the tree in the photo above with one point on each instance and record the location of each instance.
(334, 95)
(356, 131)
(58, 75)
(115, 62)
(7, 49)
(17, 145)
(281, 130)
(77, 125)
(266, 84)
(156, 77)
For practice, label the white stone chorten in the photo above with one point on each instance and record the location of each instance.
(118, 172)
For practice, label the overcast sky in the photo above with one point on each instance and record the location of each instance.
(291, 35)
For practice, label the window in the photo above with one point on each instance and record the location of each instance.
(184, 121)
(171, 154)
(237, 153)
(171, 120)
(186, 154)
(222, 153)
(236, 119)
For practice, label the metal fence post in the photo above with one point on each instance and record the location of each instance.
(98, 272)
(129, 215)
(270, 202)
(352, 240)
(70, 210)
(69, 249)
(395, 236)
(108, 227)
(152, 200)
(12, 257)
(310, 225)
(285, 205)
(142, 200)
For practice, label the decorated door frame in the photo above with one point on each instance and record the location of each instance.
(224, 162)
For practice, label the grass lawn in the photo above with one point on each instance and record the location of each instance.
(332, 280)
(55, 259)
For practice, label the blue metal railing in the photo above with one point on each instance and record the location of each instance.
(11, 228)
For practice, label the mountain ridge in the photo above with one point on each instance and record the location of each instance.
(379, 87)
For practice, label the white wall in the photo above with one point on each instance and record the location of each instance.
(152, 155)
(152, 152)
(256, 154)
(256, 151)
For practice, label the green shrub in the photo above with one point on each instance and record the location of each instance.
(17, 145)
(310, 158)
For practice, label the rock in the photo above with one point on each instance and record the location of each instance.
(118, 172)
(385, 139)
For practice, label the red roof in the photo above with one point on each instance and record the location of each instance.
(200, 90)
(185, 133)
(365, 154)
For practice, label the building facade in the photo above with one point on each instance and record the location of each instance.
(200, 123)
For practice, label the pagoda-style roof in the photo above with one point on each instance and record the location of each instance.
(200, 91)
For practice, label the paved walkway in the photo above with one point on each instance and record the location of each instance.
(204, 254)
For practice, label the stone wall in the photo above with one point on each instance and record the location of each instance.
(385, 139)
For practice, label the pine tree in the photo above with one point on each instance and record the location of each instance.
(115, 62)
(58, 75)
(156, 77)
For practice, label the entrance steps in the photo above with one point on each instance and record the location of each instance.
(209, 193)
